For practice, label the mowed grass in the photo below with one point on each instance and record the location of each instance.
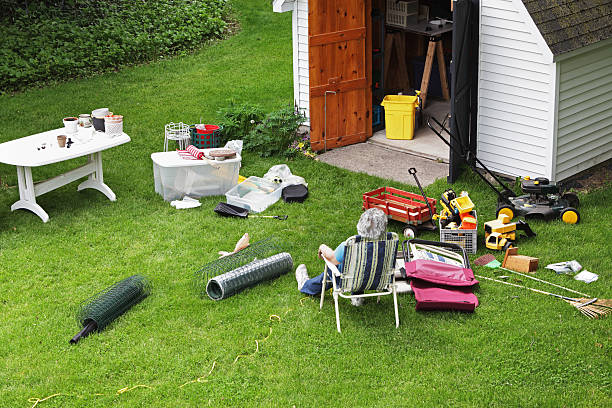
(517, 349)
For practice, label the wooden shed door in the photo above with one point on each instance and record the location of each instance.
(339, 66)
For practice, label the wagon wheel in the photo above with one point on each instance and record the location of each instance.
(410, 231)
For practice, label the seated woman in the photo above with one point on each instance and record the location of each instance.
(372, 225)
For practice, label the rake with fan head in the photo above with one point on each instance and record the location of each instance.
(591, 307)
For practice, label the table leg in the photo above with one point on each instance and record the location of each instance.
(96, 179)
(27, 196)
(401, 55)
(388, 50)
(442, 69)
(427, 71)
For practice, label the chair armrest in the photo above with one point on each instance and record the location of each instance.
(332, 267)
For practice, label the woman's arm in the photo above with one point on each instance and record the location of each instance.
(328, 253)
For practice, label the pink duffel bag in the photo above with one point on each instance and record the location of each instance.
(435, 297)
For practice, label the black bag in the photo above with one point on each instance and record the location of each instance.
(296, 193)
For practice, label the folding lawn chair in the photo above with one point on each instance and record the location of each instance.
(368, 266)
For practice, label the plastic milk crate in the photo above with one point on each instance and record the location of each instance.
(466, 238)
(402, 13)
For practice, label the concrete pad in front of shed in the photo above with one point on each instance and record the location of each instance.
(389, 164)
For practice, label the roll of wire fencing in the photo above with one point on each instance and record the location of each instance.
(101, 309)
(232, 282)
(257, 250)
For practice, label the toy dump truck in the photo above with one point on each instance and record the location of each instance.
(501, 233)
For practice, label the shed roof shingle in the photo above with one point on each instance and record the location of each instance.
(567, 25)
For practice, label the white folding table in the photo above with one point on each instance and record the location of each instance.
(26, 153)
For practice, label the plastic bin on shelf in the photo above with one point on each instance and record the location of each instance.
(399, 116)
(254, 194)
(176, 177)
(402, 13)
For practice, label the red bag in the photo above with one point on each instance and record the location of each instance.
(435, 297)
(440, 273)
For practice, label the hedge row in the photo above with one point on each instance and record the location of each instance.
(42, 43)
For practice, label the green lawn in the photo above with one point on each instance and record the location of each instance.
(517, 349)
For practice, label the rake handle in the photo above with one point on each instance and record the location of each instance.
(543, 281)
(526, 287)
(278, 217)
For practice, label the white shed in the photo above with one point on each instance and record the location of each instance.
(544, 104)
(299, 24)
(544, 86)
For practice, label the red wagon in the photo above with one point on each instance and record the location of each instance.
(402, 206)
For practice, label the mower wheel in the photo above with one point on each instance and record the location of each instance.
(570, 216)
(506, 210)
(572, 199)
(410, 231)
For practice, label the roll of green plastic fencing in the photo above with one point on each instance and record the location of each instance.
(232, 282)
(104, 307)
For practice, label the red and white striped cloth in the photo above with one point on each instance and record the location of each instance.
(191, 153)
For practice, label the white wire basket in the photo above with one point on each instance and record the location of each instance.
(178, 132)
(466, 238)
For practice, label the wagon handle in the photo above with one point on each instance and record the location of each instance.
(413, 171)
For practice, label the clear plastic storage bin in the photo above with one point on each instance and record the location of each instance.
(254, 194)
(176, 177)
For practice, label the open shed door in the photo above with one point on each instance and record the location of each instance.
(339, 53)
(464, 78)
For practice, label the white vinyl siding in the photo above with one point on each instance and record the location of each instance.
(299, 23)
(301, 78)
(515, 92)
(584, 130)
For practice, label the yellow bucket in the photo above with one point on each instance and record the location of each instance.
(399, 116)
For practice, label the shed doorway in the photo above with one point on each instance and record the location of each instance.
(405, 37)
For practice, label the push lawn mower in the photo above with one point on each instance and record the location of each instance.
(541, 199)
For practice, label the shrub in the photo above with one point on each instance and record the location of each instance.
(42, 41)
(274, 135)
(239, 120)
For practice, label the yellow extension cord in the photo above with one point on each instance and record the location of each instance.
(202, 379)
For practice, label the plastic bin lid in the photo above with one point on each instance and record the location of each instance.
(172, 159)
(255, 183)
(398, 100)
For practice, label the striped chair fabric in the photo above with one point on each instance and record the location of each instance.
(368, 264)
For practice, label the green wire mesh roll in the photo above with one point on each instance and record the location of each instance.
(257, 250)
(230, 283)
(104, 307)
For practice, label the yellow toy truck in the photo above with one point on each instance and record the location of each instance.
(501, 233)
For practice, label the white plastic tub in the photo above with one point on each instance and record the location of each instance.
(254, 194)
(176, 177)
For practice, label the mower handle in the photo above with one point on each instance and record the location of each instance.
(504, 194)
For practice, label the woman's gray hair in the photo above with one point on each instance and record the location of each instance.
(372, 224)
